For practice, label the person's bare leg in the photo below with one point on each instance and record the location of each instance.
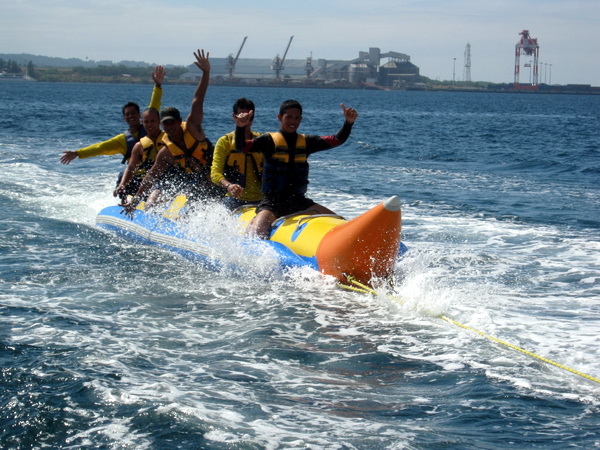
(260, 225)
(154, 198)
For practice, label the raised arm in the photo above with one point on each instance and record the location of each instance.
(242, 121)
(319, 143)
(158, 76)
(349, 113)
(194, 120)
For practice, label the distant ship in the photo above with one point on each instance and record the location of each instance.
(14, 77)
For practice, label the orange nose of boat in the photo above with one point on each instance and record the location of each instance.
(365, 247)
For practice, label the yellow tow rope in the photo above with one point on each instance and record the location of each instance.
(356, 286)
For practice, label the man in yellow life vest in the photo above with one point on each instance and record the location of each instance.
(234, 170)
(182, 166)
(122, 143)
(143, 156)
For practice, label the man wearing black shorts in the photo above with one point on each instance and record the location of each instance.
(285, 165)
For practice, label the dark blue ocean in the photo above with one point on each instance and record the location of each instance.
(106, 343)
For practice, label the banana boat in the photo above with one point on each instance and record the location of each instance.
(365, 248)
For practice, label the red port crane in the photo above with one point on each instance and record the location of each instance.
(527, 46)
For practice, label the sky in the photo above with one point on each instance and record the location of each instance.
(434, 33)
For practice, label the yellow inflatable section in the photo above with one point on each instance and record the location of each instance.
(365, 247)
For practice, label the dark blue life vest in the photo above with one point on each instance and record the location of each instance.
(131, 141)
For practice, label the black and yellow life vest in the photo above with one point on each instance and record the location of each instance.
(150, 149)
(240, 163)
(286, 169)
(196, 155)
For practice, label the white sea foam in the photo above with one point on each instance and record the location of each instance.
(470, 269)
(258, 358)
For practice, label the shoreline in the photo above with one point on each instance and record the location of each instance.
(507, 88)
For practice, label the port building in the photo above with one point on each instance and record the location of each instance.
(371, 68)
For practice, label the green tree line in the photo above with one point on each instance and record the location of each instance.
(9, 66)
(13, 68)
(103, 73)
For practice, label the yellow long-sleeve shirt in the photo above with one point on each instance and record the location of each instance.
(118, 144)
(223, 149)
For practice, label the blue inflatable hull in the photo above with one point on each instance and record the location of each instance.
(365, 247)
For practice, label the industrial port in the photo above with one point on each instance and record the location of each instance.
(374, 69)
(371, 69)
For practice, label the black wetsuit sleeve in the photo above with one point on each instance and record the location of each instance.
(240, 140)
(319, 143)
(260, 144)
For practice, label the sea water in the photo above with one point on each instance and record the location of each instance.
(109, 344)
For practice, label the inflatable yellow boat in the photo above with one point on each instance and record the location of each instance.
(365, 248)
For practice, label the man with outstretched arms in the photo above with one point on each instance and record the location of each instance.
(124, 142)
(143, 155)
(187, 153)
(285, 165)
(236, 171)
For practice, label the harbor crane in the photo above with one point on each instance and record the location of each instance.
(231, 61)
(527, 46)
(308, 67)
(277, 63)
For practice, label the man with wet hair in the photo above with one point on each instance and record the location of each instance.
(122, 143)
(285, 164)
(182, 166)
(234, 170)
(143, 156)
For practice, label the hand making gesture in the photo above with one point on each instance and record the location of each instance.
(202, 60)
(349, 113)
(243, 119)
(158, 75)
(68, 156)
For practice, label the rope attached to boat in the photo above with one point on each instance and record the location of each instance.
(356, 286)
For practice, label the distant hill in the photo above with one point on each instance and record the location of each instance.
(245, 67)
(49, 61)
(248, 67)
